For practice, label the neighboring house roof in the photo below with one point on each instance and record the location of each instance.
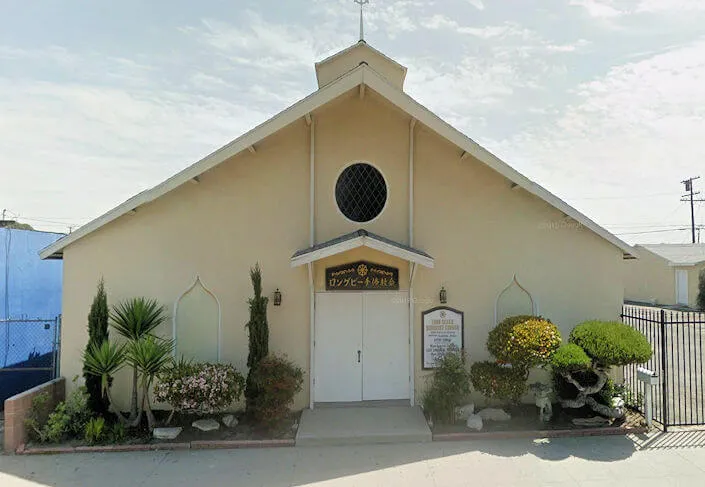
(678, 254)
(361, 75)
(360, 238)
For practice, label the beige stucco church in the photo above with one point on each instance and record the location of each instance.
(364, 210)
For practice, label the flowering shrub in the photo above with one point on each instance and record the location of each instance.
(277, 380)
(199, 388)
(524, 341)
(496, 381)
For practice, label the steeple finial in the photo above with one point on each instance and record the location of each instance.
(362, 3)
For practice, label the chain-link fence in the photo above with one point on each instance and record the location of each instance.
(29, 354)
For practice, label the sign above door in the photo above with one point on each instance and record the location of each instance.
(362, 276)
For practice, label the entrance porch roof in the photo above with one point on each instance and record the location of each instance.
(360, 238)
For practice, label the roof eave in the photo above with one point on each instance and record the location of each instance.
(359, 75)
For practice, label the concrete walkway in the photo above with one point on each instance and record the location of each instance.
(673, 460)
(362, 425)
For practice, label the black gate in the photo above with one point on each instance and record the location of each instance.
(676, 338)
(29, 354)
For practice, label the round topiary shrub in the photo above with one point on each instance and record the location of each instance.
(499, 382)
(524, 341)
(570, 358)
(610, 343)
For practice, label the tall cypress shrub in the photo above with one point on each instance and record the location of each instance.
(258, 334)
(97, 334)
(701, 291)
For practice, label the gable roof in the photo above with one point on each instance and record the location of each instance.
(360, 238)
(678, 254)
(361, 75)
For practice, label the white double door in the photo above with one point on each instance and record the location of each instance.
(361, 346)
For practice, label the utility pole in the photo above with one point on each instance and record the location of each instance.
(689, 197)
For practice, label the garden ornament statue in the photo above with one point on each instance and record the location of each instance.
(542, 395)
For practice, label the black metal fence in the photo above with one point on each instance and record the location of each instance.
(676, 338)
(29, 354)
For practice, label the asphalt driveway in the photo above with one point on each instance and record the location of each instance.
(676, 459)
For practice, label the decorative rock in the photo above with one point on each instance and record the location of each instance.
(494, 414)
(166, 433)
(617, 402)
(464, 412)
(206, 424)
(474, 422)
(229, 421)
(594, 421)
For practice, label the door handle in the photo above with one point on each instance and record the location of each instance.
(359, 353)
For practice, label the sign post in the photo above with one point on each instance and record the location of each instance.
(443, 327)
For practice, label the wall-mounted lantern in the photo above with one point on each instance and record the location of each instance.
(443, 295)
(277, 297)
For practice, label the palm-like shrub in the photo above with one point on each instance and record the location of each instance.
(594, 347)
(103, 362)
(149, 356)
(136, 319)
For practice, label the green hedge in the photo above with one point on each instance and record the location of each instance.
(524, 341)
(498, 382)
(611, 343)
(570, 358)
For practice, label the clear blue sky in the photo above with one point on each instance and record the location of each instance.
(600, 101)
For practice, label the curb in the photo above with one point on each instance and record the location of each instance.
(193, 445)
(565, 433)
(236, 444)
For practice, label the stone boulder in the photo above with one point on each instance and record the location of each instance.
(494, 414)
(464, 412)
(474, 422)
(206, 425)
(167, 433)
(229, 421)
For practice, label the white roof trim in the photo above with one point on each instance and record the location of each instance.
(299, 110)
(362, 241)
(444, 129)
(359, 75)
(356, 46)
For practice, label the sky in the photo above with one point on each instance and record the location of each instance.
(602, 102)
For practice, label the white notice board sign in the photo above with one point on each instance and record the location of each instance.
(442, 327)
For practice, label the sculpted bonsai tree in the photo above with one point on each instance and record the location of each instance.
(593, 348)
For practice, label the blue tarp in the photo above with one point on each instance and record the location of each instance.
(30, 288)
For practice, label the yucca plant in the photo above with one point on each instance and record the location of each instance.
(104, 361)
(135, 319)
(149, 356)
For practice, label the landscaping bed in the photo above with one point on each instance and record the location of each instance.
(242, 434)
(525, 418)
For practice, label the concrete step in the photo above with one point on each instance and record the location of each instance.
(362, 425)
